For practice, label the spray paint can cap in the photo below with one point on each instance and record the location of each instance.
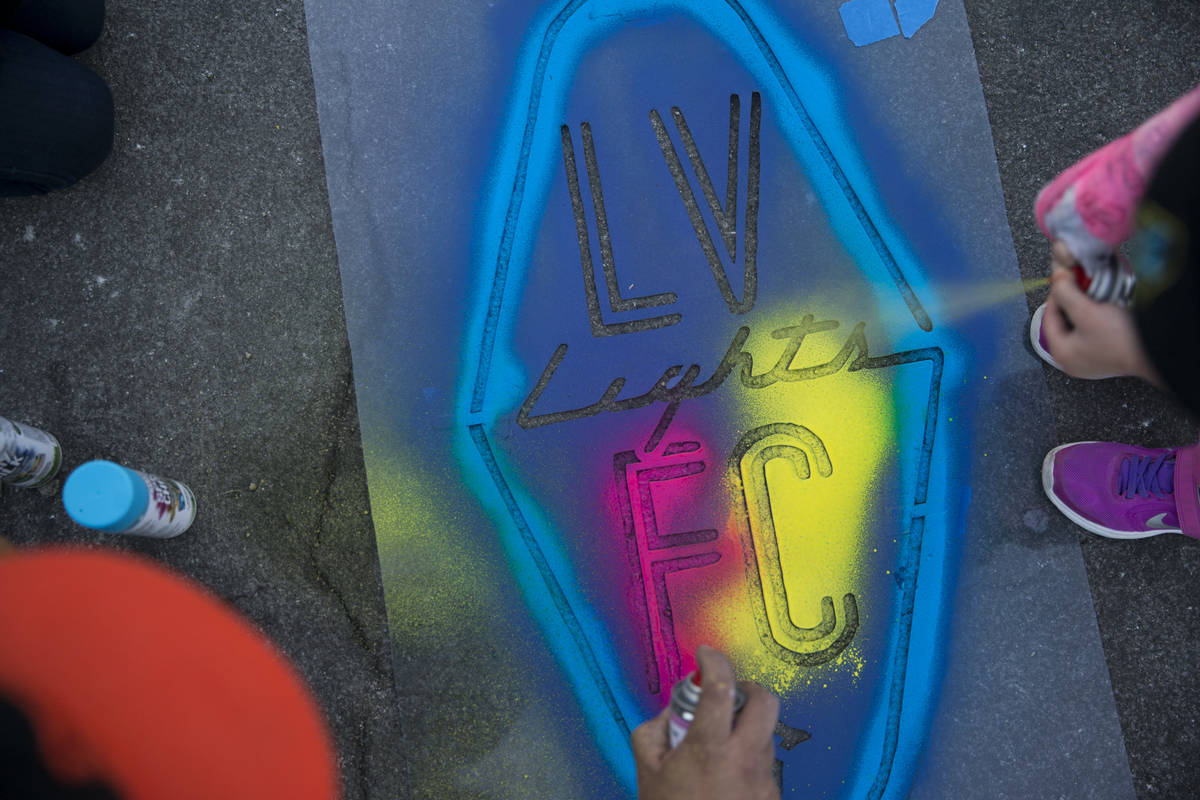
(105, 496)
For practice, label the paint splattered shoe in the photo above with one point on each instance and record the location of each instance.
(1115, 490)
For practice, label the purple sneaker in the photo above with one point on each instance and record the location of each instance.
(1114, 490)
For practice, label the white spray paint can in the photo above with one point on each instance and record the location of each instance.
(684, 696)
(114, 499)
(28, 456)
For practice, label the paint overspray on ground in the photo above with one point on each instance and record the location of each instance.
(703, 371)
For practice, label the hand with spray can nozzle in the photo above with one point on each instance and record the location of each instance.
(1090, 338)
(725, 754)
(1088, 327)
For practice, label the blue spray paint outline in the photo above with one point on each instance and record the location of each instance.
(500, 281)
(592, 660)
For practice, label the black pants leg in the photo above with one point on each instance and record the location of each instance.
(56, 116)
(69, 26)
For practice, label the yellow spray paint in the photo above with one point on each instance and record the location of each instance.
(822, 523)
(415, 530)
(958, 302)
(820, 520)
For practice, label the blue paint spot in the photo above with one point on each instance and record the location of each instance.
(913, 14)
(870, 21)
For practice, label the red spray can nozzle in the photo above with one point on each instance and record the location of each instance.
(685, 694)
(1106, 280)
(1082, 279)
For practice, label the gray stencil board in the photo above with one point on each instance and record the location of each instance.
(1026, 707)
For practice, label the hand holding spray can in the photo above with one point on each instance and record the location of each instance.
(712, 740)
(1107, 281)
(1100, 272)
(28, 457)
(114, 499)
(685, 694)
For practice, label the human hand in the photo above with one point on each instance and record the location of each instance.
(1087, 338)
(721, 758)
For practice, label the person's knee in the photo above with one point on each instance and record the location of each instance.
(83, 146)
(69, 26)
(90, 137)
(60, 118)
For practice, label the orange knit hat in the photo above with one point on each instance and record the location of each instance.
(143, 681)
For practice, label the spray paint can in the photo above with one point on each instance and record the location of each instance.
(1099, 271)
(684, 696)
(1106, 281)
(114, 499)
(28, 456)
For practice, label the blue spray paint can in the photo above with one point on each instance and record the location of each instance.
(108, 497)
(28, 456)
(685, 694)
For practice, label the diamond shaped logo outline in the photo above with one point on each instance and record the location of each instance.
(588, 658)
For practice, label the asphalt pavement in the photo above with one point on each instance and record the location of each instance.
(180, 311)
